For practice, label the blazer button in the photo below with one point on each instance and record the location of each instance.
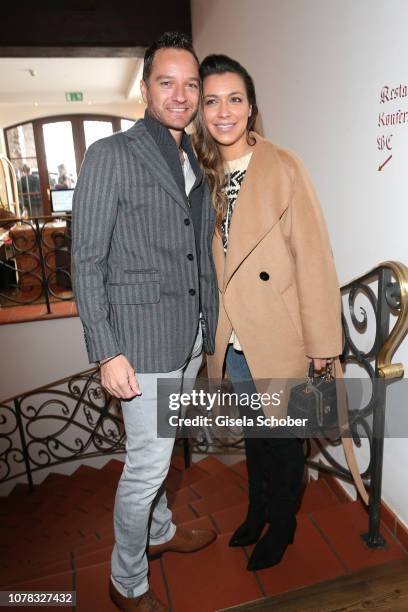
(264, 276)
(187, 221)
(190, 257)
(192, 291)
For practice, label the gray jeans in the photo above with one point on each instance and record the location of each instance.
(147, 463)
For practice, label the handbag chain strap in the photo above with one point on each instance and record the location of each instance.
(327, 375)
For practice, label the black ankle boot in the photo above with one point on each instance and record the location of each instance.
(272, 546)
(250, 530)
(287, 458)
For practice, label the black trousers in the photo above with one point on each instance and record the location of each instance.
(275, 458)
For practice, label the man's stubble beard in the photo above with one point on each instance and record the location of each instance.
(150, 110)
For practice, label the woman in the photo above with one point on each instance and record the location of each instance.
(279, 294)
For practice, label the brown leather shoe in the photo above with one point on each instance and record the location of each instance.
(147, 602)
(183, 541)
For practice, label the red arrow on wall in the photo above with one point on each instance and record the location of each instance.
(383, 164)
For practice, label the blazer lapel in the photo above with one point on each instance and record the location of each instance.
(142, 145)
(262, 199)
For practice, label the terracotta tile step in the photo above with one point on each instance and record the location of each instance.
(107, 530)
(21, 573)
(181, 514)
(74, 523)
(342, 526)
(181, 497)
(54, 480)
(177, 479)
(203, 522)
(220, 499)
(101, 554)
(20, 491)
(90, 549)
(317, 495)
(221, 479)
(68, 551)
(228, 519)
(55, 582)
(72, 519)
(92, 586)
(11, 536)
(24, 506)
(308, 560)
(12, 509)
(104, 475)
(64, 506)
(105, 497)
(43, 512)
(177, 462)
(49, 549)
(93, 546)
(240, 468)
(210, 464)
(108, 541)
(114, 465)
(210, 579)
(47, 553)
(87, 470)
(95, 481)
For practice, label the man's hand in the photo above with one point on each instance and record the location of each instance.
(118, 378)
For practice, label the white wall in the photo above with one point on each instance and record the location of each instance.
(36, 354)
(319, 68)
(40, 352)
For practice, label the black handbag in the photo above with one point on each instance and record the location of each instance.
(315, 402)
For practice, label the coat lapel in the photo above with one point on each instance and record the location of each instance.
(262, 199)
(219, 258)
(142, 146)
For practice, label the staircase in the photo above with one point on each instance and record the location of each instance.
(61, 536)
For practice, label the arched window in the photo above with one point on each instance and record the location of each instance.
(47, 153)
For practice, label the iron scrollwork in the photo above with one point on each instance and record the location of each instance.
(72, 419)
(35, 260)
(368, 420)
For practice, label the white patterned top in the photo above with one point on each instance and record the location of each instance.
(236, 169)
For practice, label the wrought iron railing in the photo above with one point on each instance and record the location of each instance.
(76, 419)
(385, 290)
(35, 260)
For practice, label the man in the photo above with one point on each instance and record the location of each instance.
(143, 273)
(31, 194)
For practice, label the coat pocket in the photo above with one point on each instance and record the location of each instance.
(136, 287)
(291, 302)
(140, 293)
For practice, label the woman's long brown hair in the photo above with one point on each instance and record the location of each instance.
(206, 148)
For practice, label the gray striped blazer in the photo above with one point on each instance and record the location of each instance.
(136, 290)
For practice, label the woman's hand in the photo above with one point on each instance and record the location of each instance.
(320, 362)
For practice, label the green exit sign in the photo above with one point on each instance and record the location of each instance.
(74, 96)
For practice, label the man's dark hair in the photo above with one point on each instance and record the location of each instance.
(168, 40)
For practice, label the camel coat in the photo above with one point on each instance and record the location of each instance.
(277, 285)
